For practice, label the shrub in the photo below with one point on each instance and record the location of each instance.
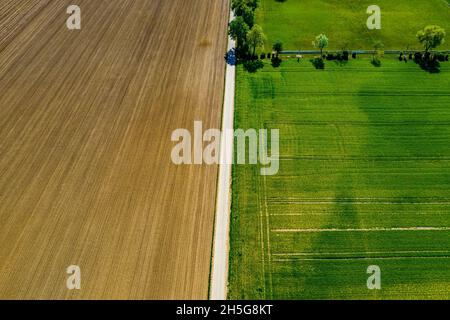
(354, 56)
(440, 57)
(253, 65)
(318, 63)
(418, 57)
(263, 56)
(330, 56)
(277, 47)
(376, 62)
(242, 52)
(345, 55)
(427, 61)
(276, 62)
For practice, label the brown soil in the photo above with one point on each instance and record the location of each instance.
(86, 118)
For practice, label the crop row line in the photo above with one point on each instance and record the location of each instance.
(358, 253)
(360, 258)
(376, 229)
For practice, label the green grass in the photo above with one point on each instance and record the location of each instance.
(297, 22)
(361, 148)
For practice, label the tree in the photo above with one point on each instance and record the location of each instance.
(277, 47)
(253, 4)
(238, 30)
(256, 38)
(249, 16)
(377, 50)
(239, 6)
(321, 42)
(431, 37)
(242, 9)
(236, 5)
(377, 53)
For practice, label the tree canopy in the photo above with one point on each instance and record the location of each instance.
(248, 15)
(245, 9)
(321, 42)
(277, 47)
(256, 38)
(238, 30)
(431, 37)
(237, 5)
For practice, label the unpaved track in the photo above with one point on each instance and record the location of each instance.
(85, 124)
(219, 270)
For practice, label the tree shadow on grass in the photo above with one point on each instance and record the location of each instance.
(318, 63)
(253, 65)
(341, 63)
(428, 62)
(376, 62)
(276, 62)
(430, 66)
(329, 273)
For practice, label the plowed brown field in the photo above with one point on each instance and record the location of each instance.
(85, 123)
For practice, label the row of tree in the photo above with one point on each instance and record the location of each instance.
(430, 37)
(249, 36)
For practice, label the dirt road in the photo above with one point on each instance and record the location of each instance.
(219, 270)
(85, 123)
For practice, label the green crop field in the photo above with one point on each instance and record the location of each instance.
(364, 180)
(297, 22)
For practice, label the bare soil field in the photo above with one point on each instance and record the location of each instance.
(86, 176)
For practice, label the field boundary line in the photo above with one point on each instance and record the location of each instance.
(359, 198)
(269, 253)
(261, 234)
(361, 229)
(262, 11)
(309, 213)
(220, 256)
(358, 202)
(360, 258)
(293, 254)
(358, 51)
